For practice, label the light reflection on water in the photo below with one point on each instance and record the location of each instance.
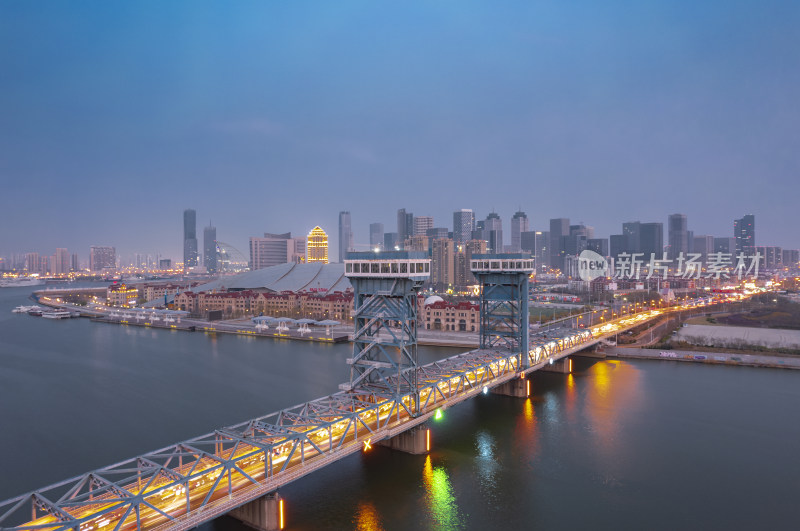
(439, 497)
(368, 518)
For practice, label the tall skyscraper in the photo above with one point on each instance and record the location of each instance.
(536, 242)
(463, 225)
(704, 246)
(437, 233)
(652, 240)
(558, 227)
(443, 263)
(405, 225)
(32, 263)
(317, 245)
(725, 245)
(519, 224)
(493, 233)
(345, 235)
(376, 235)
(210, 249)
(678, 236)
(744, 230)
(422, 224)
(632, 232)
(276, 249)
(189, 238)
(61, 262)
(73, 266)
(101, 257)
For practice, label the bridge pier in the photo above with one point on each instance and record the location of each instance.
(518, 387)
(562, 366)
(415, 441)
(264, 513)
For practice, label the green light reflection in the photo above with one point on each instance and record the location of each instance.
(441, 502)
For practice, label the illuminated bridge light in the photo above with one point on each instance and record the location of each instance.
(438, 415)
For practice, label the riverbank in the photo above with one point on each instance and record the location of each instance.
(719, 358)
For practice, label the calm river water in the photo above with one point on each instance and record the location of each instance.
(616, 445)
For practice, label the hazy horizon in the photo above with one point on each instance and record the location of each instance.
(274, 117)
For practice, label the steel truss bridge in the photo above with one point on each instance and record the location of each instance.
(186, 484)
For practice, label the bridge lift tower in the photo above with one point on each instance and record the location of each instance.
(386, 286)
(504, 301)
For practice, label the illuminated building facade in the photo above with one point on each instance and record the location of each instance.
(317, 246)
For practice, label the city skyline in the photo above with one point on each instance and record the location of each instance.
(616, 113)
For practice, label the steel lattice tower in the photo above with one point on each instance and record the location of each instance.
(386, 286)
(504, 301)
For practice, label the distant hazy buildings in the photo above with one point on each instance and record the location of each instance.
(519, 224)
(189, 238)
(463, 225)
(276, 249)
(652, 240)
(704, 246)
(442, 264)
(493, 233)
(345, 235)
(101, 257)
(376, 235)
(422, 224)
(744, 230)
(317, 246)
(210, 249)
(725, 244)
(405, 225)
(678, 234)
(559, 227)
(61, 263)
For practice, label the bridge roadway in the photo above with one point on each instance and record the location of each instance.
(183, 485)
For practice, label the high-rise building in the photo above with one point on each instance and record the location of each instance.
(189, 238)
(210, 249)
(438, 233)
(345, 235)
(632, 232)
(598, 245)
(276, 249)
(493, 233)
(390, 241)
(519, 224)
(678, 233)
(558, 227)
(376, 235)
(422, 224)
(443, 264)
(651, 240)
(32, 263)
(463, 256)
(73, 266)
(744, 230)
(537, 243)
(317, 246)
(405, 225)
(617, 244)
(463, 225)
(790, 258)
(704, 246)
(419, 244)
(101, 257)
(61, 262)
(725, 244)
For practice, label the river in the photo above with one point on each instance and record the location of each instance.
(616, 445)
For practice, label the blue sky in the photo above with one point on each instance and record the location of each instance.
(274, 116)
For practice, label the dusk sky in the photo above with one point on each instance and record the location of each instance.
(274, 116)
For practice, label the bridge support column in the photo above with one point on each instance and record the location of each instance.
(518, 387)
(563, 366)
(415, 441)
(264, 514)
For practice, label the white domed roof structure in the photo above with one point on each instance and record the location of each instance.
(432, 299)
